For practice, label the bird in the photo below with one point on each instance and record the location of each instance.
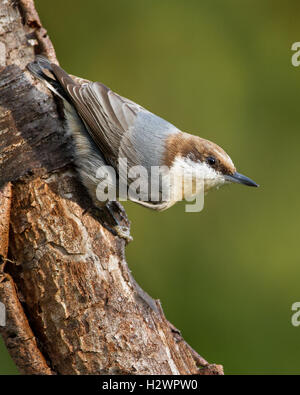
(107, 128)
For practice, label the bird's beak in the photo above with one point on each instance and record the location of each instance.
(241, 179)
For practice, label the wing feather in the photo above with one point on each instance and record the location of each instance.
(119, 127)
(107, 115)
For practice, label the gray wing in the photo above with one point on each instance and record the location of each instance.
(119, 127)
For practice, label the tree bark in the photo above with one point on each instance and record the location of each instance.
(72, 305)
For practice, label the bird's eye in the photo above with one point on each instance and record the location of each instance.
(211, 160)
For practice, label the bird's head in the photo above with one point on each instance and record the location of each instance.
(208, 161)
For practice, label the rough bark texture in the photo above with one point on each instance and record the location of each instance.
(72, 304)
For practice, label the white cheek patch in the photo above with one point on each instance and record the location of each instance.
(199, 171)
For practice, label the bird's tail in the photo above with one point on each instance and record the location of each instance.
(41, 68)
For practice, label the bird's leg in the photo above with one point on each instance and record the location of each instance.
(121, 231)
(100, 213)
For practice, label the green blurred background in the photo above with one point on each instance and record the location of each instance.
(227, 276)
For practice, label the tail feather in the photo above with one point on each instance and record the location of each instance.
(39, 68)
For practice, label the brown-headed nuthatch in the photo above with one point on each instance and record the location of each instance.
(107, 128)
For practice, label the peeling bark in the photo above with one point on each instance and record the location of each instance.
(72, 304)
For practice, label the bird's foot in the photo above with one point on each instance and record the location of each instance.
(110, 221)
(123, 232)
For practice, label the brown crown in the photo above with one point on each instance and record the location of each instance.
(198, 150)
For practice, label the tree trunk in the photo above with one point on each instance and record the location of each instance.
(72, 306)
